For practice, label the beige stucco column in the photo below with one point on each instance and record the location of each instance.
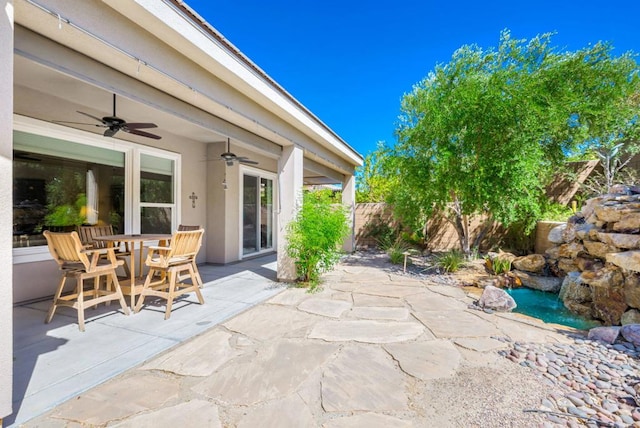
(6, 202)
(290, 176)
(349, 200)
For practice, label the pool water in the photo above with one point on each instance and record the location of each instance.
(548, 307)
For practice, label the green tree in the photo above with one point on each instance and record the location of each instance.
(483, 133)
(372, 185)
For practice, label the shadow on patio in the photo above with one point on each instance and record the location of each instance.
(55, 362)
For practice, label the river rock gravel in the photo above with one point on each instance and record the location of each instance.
(599, 383)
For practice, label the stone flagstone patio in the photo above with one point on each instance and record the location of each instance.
(372, 349)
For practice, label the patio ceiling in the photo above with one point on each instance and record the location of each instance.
(46, 94)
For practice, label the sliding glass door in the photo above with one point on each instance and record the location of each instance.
(257, 213)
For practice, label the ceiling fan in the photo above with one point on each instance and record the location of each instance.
(115, 124)
(230, 158)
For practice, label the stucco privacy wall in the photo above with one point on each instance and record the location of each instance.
(6, 204)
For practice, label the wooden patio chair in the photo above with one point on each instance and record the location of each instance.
(182, 228)
(170, 263)
(76, 261)
(89, 233)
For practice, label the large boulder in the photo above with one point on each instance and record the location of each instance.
(534, 263)
(573, 289)
(632, 316)
(631, 332)
(543, 283)
(629, 223)
(608, 304)
(599, 249)
(556, 234)
(610, 212)
(567, 265)
(496, 299)
(607, 294)
(570, 250)
(629, 260)
(605, 277)
(604, 334)
(624, 241)
(632, 289)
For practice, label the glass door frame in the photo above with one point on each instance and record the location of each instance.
(259, 174)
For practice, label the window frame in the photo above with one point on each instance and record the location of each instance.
(131, 153)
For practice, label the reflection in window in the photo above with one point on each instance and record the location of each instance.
(156, 194)
(155, 220)
(59, 185)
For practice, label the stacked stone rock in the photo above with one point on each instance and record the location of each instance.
(597, 253)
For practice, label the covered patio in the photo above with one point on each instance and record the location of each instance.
(55, 362)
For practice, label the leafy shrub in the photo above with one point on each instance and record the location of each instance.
(451, 261)
(382, 232)
(314, 236)
(498, 265)
(556, 212)
(396, 251)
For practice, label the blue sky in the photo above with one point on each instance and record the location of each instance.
(350, 62)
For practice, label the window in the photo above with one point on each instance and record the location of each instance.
(156, 194)
(63, 178)
(59, 185)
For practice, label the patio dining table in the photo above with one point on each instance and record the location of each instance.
(132, 286)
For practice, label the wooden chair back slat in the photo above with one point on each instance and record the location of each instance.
(186, 227)
(89, 233)
(66, 248)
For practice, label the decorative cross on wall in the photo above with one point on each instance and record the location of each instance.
(193, 198)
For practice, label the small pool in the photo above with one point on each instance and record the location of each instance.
(548, 307)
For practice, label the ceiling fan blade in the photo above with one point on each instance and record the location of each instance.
(142, 133)
(140, 125)
(110, 132)
(79, 123)
(92, 117)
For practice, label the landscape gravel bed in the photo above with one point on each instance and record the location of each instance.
(600, 383)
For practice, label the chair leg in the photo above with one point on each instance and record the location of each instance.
(145, 287)
(172, 290)
(56, 297)
(197, 272)
(96, 289)
(118, 291)
(196, 288)
(80, 304)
